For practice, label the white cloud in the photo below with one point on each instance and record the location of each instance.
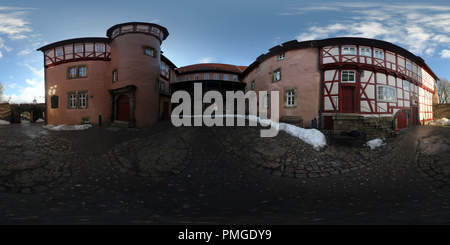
(13, 23)
(28, 94)
(419, 28)
(445, 53)
(24, 52)
(40, 72)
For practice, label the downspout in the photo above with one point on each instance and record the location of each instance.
(320, 123)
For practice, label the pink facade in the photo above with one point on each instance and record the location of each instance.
(116, 78)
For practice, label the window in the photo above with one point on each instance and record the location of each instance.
(405, 85)
(378, 54)
(349, 50)
(365, 51)
(281, 56)
(82, 71)
(79, 48)
(408, 65)
(235, 78)
(77, 72)
(386, 93)
(276, 75)
(54, 101)
(206, 76)
(115, 76)
(59, 52)
(253, 85)
(82, 100)
(187, 78)
(72, 72)
(149, 51)
(216, 76)
(100, 47)
(225, 77)
(348, 76)
(290, 98)
(85, 120)
(155, 31)
(72, 101)
(196, 77)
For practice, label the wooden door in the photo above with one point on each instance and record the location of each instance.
(401, 120)
(165, 110)
(123, 108)
(414, 115)
(348, 99)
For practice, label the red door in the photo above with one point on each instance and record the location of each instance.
(414, 116)
(348, 99)
(123, 108)
(401, 120)
(166, 109)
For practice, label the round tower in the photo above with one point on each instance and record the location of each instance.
(135, 68)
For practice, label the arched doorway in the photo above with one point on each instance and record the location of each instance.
(401, 120)
(123, 108)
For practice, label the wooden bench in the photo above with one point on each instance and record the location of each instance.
(337, 137)
(291, 119)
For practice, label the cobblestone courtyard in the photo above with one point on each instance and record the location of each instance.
(165, 174)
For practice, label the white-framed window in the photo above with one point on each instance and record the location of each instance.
(79, 48)
(379, 54)
(276, 75)
(72, 101)
(115, 76)
(99, 47)
(349, 50)
(386, 93)
(235, 78)
(225, 77)
(348, 76)
(405, 85)
(290, 98)
(72, 72)
(82, 100)
(196, 77)
(365, 52)
(206, 76)
(408, 65)
(282, 56)
(419, 72)
(253, 85)
(59, 52)
(187, 78)
(82, 71)
(216, 76)
(85, 120)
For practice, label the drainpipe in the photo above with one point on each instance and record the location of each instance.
(321, 86)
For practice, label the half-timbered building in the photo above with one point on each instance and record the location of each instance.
(321, 80)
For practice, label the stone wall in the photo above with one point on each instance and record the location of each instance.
(5, 112)
(369, 126)
(441, 111)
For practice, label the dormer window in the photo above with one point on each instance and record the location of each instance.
(282, 56)
(79, 48)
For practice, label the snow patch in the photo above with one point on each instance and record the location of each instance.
(40, 120)
(375, 143)
(64, 127)
(442, 121)
(4, 122)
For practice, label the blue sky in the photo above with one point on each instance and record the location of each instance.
(225, 31)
